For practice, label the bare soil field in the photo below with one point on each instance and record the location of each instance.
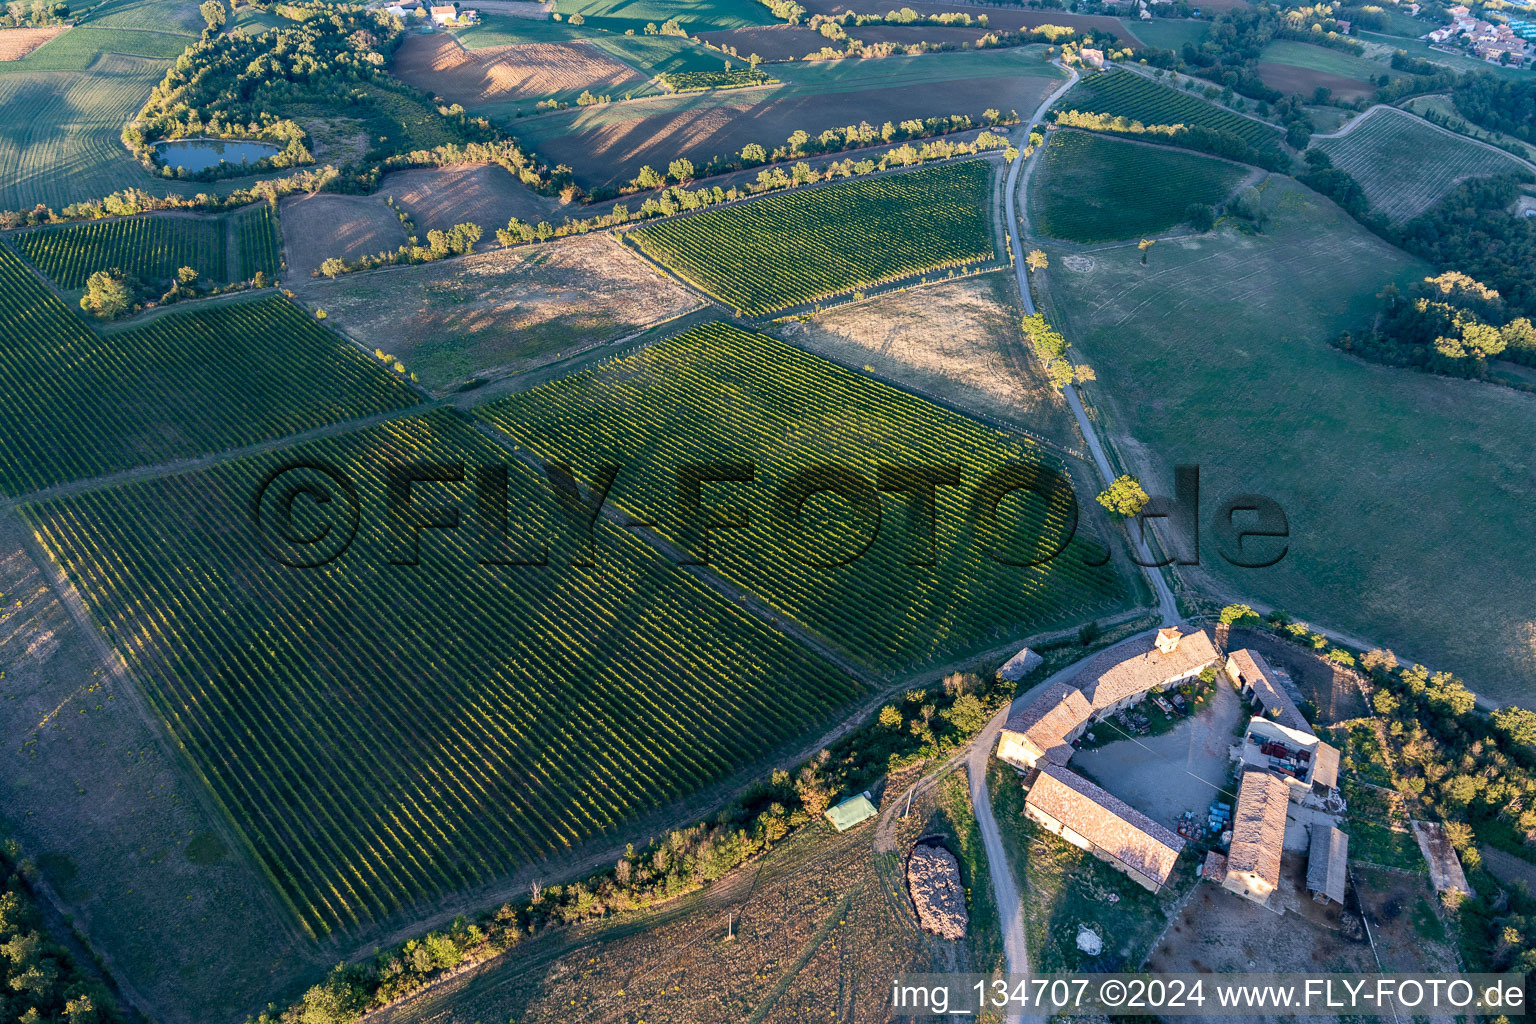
(1291, 79)
(16, 43)
(116, 825)
(1218, 932)
(438, 198)
(501, 312)
(814, 928)
(998, 19)
(439, 64)
(608, 150)
(317, 227)
(1405, 922)
(958, 341)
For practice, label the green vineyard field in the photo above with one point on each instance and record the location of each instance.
(810, 244)
(259, 244)
(1097, 189)
(150, 248)
(1126, 94)
(719, 394)
(382, 734)
(81, 404)
(1405, 165)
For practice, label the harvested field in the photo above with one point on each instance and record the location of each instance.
(959, 341)
(317, 227)
(439, 64)
(608, 145)
(16, 43)
(437, 198)
(501, 311)
(1291, 79)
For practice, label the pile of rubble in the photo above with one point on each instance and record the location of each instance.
(933, 879)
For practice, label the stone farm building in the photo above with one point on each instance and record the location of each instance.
(1038, 739)
(1104, 825)
(1258, 830)
(1327, 860)
(1260, 686)
(1283, 762)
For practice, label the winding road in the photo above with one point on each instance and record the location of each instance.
(1004, 887)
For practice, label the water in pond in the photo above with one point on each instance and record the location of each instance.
(201, 154)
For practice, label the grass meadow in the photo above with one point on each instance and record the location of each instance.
(1217, 353)
(1097, 188)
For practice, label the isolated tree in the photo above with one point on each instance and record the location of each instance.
(1239, 615)
(577, 20)
(753, 60)
(1144, 245)
(1124, 497)
(333, 267)
(106, 295)
(680, 170)
(1036, 260)
(752, 153)
(186, 276)
(648, 178)
(213, 13)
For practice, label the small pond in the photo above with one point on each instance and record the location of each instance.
(201, 154)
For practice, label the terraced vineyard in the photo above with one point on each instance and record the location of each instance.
(1405, 166)
(382, 734)
(151, 248)
(717, 394)
(81, 404)
(1127, 94)
(258, 240)
(810, 244)
(1096, 189)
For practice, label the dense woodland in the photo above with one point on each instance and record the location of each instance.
(35, 14)
(1448, 324)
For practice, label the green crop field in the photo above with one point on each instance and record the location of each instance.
(1167, 33)
(60, 131)
(1127, 94)
(1217, 353)
(720, 394)
(1405, 165)
(695, 15)
(82, 404)
(151, 248)
(260, 246)
(383, 734)
(810, 244)
(660, 55)
(736, 77)
(1094, 189)
(1322, 58)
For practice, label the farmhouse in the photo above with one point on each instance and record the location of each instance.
(1260, 686)
(1115, 679)
(1104, 825)
(1258, 830)
(1123, 675)
(1092, 58)
(1045, 728)
(443, 14)
(1326, 861)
